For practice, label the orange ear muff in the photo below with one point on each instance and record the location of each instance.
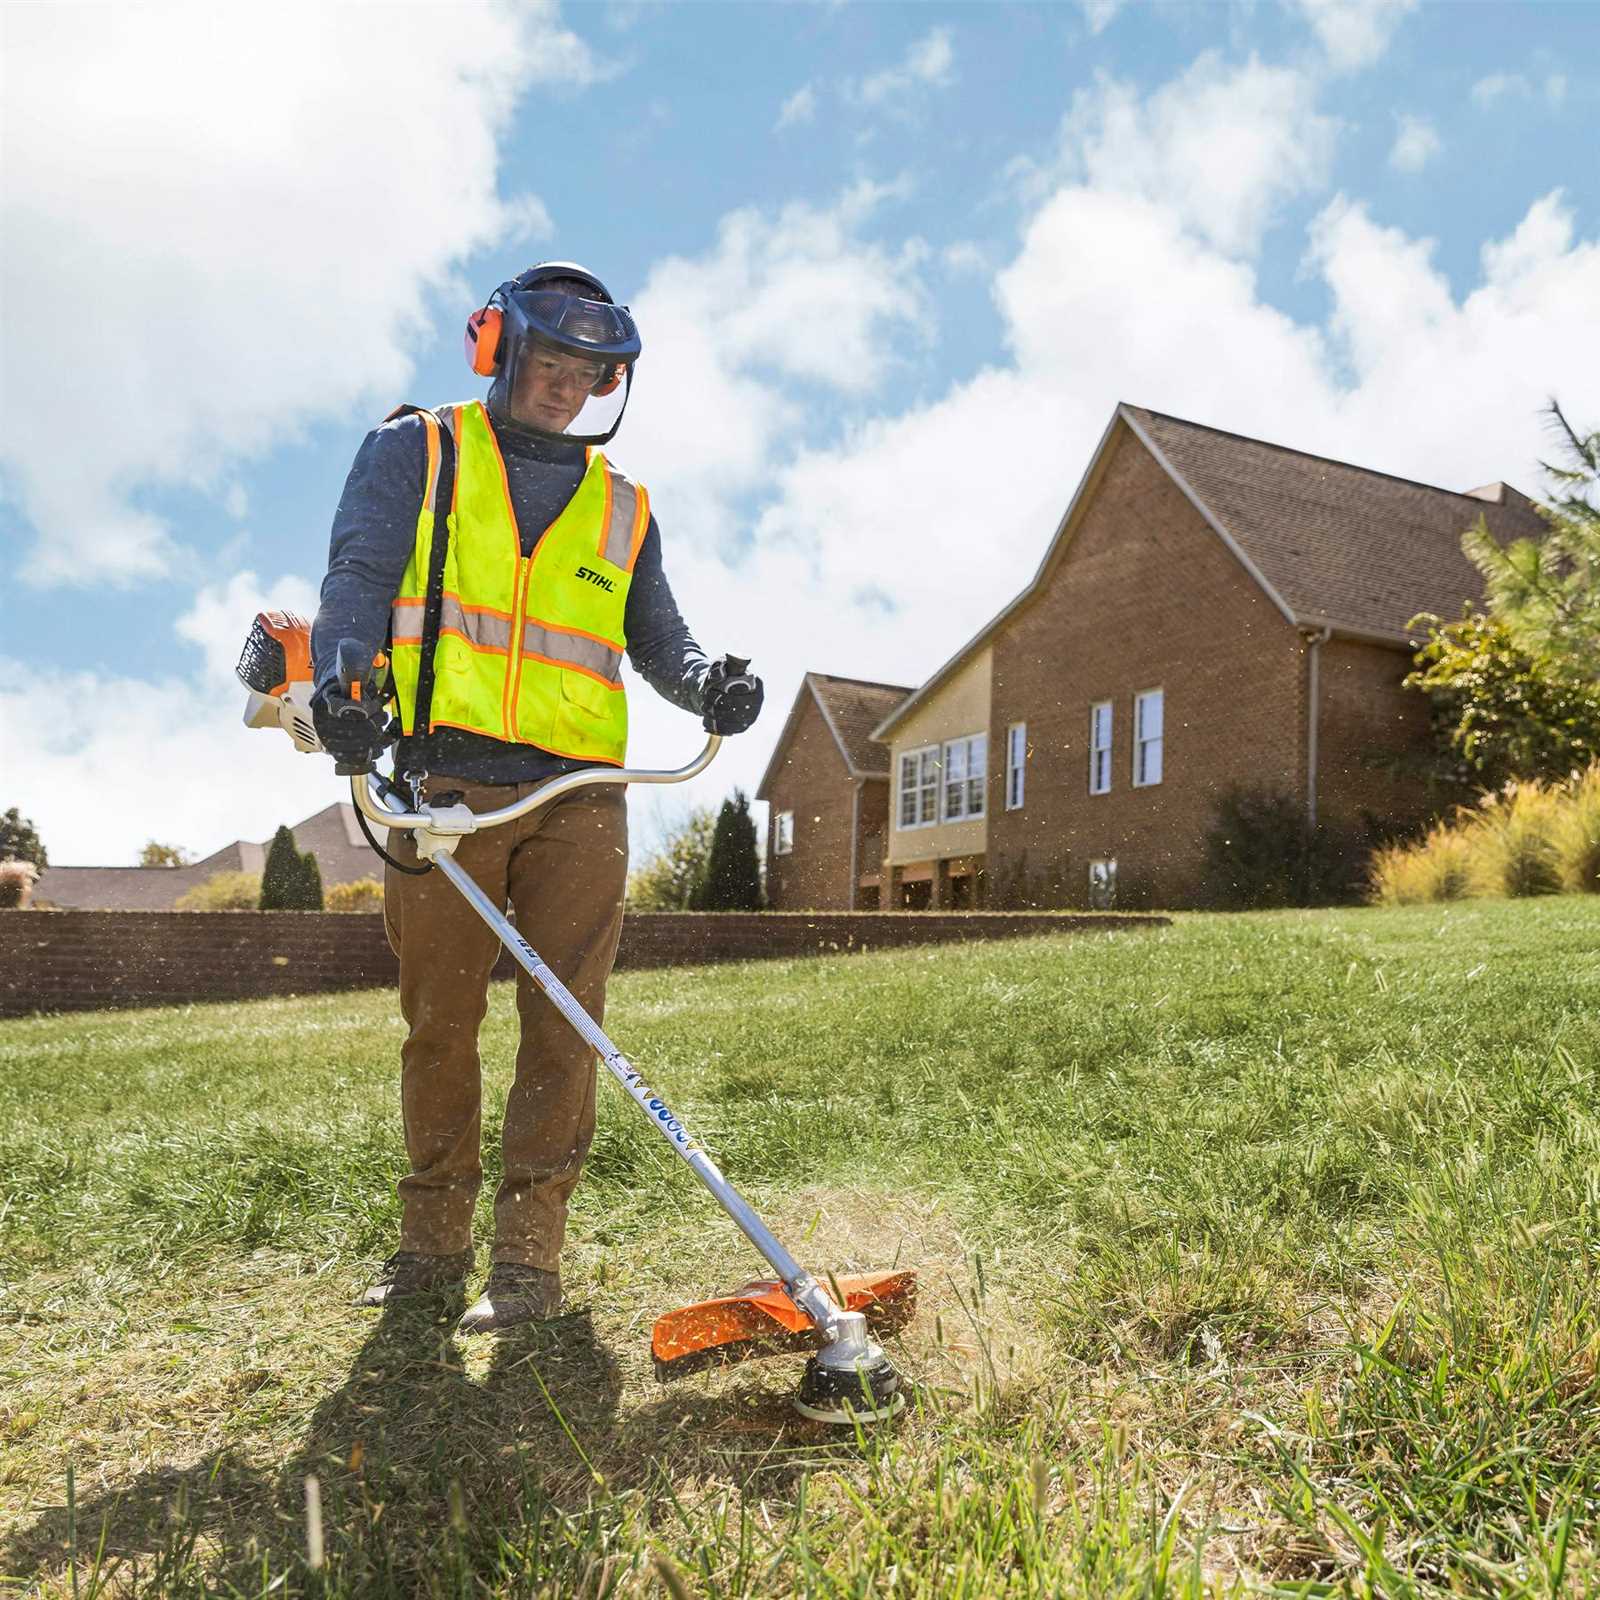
(482, 342)
(606, 385)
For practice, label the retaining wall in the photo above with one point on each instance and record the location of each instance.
(95, 960)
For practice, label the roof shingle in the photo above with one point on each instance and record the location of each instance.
(1338, 542)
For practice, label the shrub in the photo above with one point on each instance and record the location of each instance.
(223, 891)
(1263, 851)
(1439, 867)
(1511, 841)
(667, 880)
(361, 894)
(16, 884)
(1578, 835)
(290, 881)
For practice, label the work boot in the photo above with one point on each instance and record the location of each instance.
(408, 1273)
(513, 1294)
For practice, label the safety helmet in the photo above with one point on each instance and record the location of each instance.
(555, 312)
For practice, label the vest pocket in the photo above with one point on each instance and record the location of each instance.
(587, 717)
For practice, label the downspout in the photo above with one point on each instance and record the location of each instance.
(855, 842)
(1315, 638)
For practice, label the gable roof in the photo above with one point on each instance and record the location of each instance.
(851, 708)
(332, 835)
(1330, 544)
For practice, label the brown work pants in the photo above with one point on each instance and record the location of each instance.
(562, 869)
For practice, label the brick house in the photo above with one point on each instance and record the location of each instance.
(827, 789)
(1212, 610)
(332, 835)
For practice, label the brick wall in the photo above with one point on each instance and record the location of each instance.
(1146, 596)
(93, 960)
(813, 782)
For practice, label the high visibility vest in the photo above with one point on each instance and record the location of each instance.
(530, 647)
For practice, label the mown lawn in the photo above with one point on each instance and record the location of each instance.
(1258, 1256)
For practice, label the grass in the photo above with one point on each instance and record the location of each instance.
(1258, 1258)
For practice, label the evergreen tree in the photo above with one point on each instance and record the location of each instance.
(733, 874)
(1513, 688)
(310, 884)
(283, 876)
(19, 840)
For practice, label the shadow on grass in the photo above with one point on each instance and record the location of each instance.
(427, 1476)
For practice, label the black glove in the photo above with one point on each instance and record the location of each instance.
(730, 699)
(353, 732)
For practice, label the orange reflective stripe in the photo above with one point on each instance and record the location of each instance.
(482, 627)
(431, 482)
(577, 650)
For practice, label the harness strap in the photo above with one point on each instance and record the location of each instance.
(440, 488)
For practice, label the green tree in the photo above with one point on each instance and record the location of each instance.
(19, 840)
(1499, 713)
(163, 855)
(289, 881)
(310, 884)
(667, 880)
(1513, 688)
(732, 880)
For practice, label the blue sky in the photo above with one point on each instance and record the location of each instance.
(893, 264)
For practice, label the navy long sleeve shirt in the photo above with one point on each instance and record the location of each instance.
(374, 533)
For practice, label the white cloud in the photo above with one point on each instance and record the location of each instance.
(799, 108)
(1555, 89)
(103, 761)
(201, 261)
(1500, 86)
(1416, 143)
(1354, 33)
(1221, 147)
(1099, 13)
(930, 63)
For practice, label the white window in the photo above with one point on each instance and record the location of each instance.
(1100, 748)
(966, 767)
(1103, 884)
(919, 788)
(783, 833)
(1016, 762)
(1147, 718)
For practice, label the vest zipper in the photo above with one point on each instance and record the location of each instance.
(514, 658)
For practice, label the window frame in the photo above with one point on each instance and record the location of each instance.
(1096, 751)
(1107, 882)
(783, 838)
(1016, 765)
(920, 756)
(973, 777)
(1142, 742)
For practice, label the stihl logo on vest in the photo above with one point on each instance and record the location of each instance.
(597, 579)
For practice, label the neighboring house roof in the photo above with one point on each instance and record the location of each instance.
(1330, 544)
(332, 835)
(851, 708)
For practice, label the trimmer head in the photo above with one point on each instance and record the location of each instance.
(762, 1320)
(862, 1391)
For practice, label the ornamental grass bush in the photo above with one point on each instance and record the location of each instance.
(16, 884)
(222, 891)
(360, 894)
(1525, 839)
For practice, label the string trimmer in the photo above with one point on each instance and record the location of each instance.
(848, 1376)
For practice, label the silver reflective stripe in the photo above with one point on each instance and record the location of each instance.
(573, 650)
(626, 500)
(482, 629)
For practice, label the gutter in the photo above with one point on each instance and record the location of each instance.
(1315, 638)
(855, 841)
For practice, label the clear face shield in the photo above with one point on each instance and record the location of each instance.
(567, 365)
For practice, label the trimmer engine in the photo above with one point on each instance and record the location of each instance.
(275, 666)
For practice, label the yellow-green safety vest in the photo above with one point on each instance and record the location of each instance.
(530, 647)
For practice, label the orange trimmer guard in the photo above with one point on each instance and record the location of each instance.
(761, 1320)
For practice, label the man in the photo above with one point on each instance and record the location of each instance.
(544, 565)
